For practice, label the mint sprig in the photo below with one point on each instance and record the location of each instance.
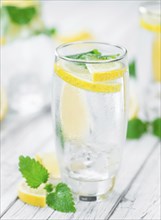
(49, 187)
(156, 127)
(137, 127)
(61, 199)
(58, 197)
(34, 173)
(91, 55)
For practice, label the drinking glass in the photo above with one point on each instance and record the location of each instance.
(149, 59)
(90, 115)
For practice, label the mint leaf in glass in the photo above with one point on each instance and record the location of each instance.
(109, 57)
(136, 128)
(61, 200)
(34, 173)
(92, 55)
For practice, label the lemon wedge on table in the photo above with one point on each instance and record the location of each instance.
(49, 161)
(81, 78)
(3, 104)
(35, 197)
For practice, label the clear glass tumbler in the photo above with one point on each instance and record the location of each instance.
(149, 59)
(90, 114)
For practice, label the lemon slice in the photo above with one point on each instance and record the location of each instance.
(151, 22)
(35, 197)
(3, 105)
(150, 27)
(156, 58)
(81, 78)
(107, 71)
(83, 35)
(74, 113)
(49, 161)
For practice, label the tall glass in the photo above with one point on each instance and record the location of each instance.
(149, 59)
(90, 114)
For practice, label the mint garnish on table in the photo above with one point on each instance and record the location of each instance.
(58, 197)
(137, 127)
(61, 200)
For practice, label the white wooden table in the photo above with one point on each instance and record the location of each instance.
(137, 192)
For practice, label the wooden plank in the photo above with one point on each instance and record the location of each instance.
(135, 154)
(15, 122)
(143, 199)
(26, 141)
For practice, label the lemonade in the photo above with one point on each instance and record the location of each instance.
(149, 59)
(90, 113)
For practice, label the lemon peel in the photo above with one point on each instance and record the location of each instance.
(35, 197)
(86, 83)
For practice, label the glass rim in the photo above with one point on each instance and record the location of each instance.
(143, 8)
(120, 57)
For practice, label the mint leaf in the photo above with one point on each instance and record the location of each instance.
(91, 55)
(109, 57)
(49, 187)
(156, 127)
(136, 128)
(61, 200)
(132, 69)
(46, 31)
(34, 173)
(21, 16)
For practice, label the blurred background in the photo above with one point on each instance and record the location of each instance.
(30, 32)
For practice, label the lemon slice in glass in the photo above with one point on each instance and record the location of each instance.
(78, 76)
(35, 197)
(74, 113)
(106, 71)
